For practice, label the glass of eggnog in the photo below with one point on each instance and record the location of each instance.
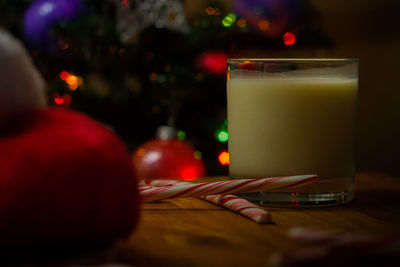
(292, 117)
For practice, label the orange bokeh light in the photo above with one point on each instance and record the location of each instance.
(72, 82)
(263, 25)
(223, 158)
(213, 11)
(140, 152)
(241, 23)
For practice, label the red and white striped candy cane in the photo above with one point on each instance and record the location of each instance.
(224, 187)
(242, 206)
(349, 249)
(164, 182)
(234, 203)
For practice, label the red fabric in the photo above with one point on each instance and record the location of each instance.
(64, 180)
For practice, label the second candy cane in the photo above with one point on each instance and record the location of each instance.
(231, 202)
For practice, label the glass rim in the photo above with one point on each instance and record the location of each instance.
(290, 60)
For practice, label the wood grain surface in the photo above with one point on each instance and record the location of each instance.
(193, 232)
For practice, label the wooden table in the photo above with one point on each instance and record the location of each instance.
(192, 232)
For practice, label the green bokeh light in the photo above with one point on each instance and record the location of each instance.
(181, 135)
(229, 20)
(197, 154)
(222, 136)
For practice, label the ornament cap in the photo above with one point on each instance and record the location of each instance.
(166, 132)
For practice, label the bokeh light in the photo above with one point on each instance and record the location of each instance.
(223, 158)
(198, 155)
(63, 100)
(289, 38)
(241, 23)
(229, 20)
(213, 62)
(73, 81)
(124, 3)
(189, 173)
(153, 77)
(213, 11)
(222, 136)
(140, 152)
(59, 100)
(263, 25)
(181, 135)
(64, 75)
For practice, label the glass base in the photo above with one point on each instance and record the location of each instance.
(295, 199)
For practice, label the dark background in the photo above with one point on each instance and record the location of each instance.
(364, 29)
(370, 31)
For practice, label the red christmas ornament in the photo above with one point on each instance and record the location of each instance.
(167, 157)
(65, 182)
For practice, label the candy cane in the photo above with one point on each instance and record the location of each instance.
(321, 246)
(231, 202)
(241, 206)
(224, 187)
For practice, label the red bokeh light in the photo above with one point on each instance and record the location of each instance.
(63, 100)
(59, 100)
(289, 38)
(189, 173)
(124, 3)
(213, 62)
(64, 75)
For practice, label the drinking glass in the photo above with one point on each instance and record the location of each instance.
(291, 117)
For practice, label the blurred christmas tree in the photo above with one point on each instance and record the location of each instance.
(139, 64)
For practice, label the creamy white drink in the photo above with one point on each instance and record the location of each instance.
(293, 124)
